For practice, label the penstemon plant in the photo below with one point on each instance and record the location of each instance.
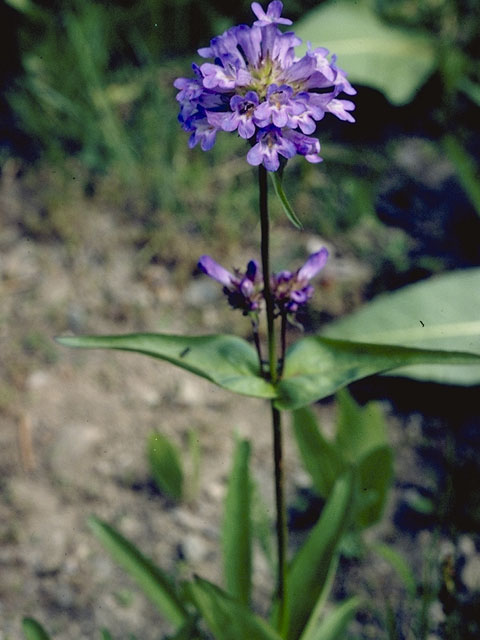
(259, 88)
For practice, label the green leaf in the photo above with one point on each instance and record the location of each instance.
(334, 625)
(309, 633)
(33, 630)
(442, 312)
(226, 618)
(375, 473)
(237, 528)
(319, 456)
(105, 634)
(395, 61)
(154, 582)
(310, 567)
(227, 361)
(316, 367)
(359, 429)
(165, 465)
(287, 207)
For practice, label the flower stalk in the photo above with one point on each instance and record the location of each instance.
(281, 520)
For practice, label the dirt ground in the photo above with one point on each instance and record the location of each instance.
(74, 426)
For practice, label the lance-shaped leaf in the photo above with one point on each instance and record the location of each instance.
(165, 465)
(442, 312)
(311, 566)
(321, 458)
(227, 361)
(33, 630)
(316, 367)
(237, 527)
(287, 207)
(154, 582)
(334, 625)
(227, 618)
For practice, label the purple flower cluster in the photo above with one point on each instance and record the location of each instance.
(258, 87)
(245, 289)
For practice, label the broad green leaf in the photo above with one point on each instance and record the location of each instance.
(398, 562)
(165, 465)
(227, 361)
(287, 207)
(316, 367)
(375, 473)
(105, 634)
(359, 429)
(237, 528)
(319, 456)
(310, 567)
(153, 581)
(227, 618)
(33, 630)
(393, 60)
(333, 627)
(442, 312)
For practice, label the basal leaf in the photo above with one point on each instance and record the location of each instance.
(227, 361)
(310, 567)
(375, 473)
(395, 61)
(359, 429)
(319, 456)
(165, 465)
(33, 630)
(316, 367)
(237, 527)
(442, 312)
(153, 581)
(227, 618)
(333, 627)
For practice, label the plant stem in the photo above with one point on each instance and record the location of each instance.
(267, 292)
(282, 533)
(281, 524)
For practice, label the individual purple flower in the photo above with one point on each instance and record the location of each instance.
(272, 16)
(292, 290)
(244, 290)
(258, 87)
(279, 107)
(270, 144)
(241, 117)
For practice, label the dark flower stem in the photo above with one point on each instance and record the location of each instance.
(281, 524)
(256, 340)
(283, 343)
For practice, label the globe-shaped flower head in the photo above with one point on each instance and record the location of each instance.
(258, 87)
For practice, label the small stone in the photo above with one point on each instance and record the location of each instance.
(194, 548)
(38, 380)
